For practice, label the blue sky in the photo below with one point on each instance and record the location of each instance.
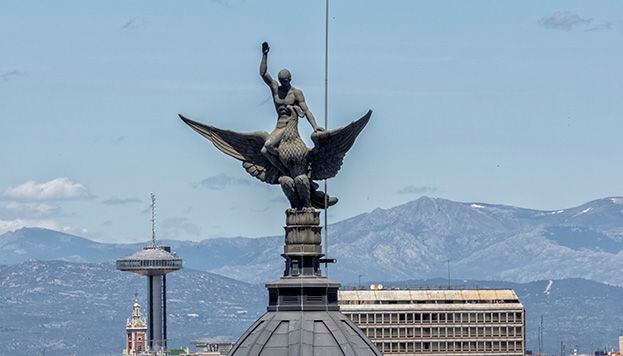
(497, 101)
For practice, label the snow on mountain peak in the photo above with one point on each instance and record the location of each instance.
(583, 211)
(550, 283)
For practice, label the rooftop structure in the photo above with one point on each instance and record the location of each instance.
(154, 262)
(212, 347)
(429, 296)
(303, 316)
(435, 322)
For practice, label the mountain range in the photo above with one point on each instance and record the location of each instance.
(53, 302)
(63, 308)
(415, 240)
(66, 308)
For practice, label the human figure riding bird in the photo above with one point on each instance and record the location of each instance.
(281, 157)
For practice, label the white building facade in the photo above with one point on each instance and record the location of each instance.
(439, 322)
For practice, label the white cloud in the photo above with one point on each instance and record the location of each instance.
(121, 201)
(412, 189)
(12, 225)
(174, 226)
(57, 189)
(8, 75)
(222, 181)
(132, 23)
(568, 21)
(564, 20)
(604, 26)
(15, 224)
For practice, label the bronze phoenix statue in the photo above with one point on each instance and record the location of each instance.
(281, 157)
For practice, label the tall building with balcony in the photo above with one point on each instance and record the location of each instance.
(154, 262)
(436, 322)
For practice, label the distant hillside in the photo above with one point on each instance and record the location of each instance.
(208, 255)
(414, 240)
(61, 308)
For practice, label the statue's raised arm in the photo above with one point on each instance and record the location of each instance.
(264, 67)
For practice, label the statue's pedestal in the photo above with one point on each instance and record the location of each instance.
(302, 286)
(303, 232)
(303, 316)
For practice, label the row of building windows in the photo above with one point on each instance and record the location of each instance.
(149, 263)
(435, 318)
(415, 301)
(510, 347)
(443, 332)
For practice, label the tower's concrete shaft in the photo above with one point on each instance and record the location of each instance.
(156, 330)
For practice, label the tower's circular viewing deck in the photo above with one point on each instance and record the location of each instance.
(150, 261)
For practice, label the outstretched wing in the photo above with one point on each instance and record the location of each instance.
(245, 147)
(331, 146)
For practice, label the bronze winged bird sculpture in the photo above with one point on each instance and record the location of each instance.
(300, 165)
(281, 157)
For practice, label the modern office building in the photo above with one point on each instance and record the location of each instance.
(620, 351)
(435, 322)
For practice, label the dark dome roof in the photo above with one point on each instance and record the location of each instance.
(308, 333)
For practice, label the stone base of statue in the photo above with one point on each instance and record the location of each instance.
(303, 316)
(303, 232)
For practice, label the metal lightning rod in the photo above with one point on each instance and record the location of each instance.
(153, 219)
(448, 273)
(326, 126)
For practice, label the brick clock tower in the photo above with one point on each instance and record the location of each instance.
(136, 333)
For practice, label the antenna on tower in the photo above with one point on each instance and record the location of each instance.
(541, 337)
(153, 219)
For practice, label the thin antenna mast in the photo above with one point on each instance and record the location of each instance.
(541, 337)
(448, 273)
(326, 126)
(153, 219)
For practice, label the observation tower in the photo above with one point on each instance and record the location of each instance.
(154, 262)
